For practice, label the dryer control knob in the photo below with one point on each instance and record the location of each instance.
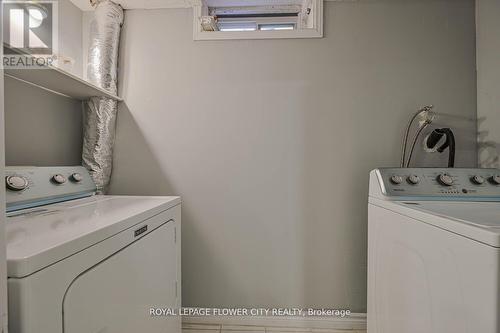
(495, 179)
(76, 177)
(445, 179)
(16, 183)
(477, 179)
(396, 180)
(413, 179)
(59, 179)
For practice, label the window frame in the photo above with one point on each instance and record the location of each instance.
(316, 32)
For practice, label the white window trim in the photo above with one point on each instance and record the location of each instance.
(198, 34)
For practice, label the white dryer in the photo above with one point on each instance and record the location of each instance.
(434, 251)
(84, 263)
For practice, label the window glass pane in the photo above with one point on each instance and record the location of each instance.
(237, 26)
(267, 27)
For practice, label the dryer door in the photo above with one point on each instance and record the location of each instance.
(116, 295)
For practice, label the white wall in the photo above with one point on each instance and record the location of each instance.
(270, 142)
(488, 82)
(70, 36)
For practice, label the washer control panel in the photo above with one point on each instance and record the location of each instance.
(439, 182)
(35, 186)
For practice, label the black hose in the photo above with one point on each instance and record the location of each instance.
(450, 142)
(434, 138)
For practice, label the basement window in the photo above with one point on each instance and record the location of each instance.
(258, 19)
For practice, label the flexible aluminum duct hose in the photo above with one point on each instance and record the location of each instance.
(100, 112)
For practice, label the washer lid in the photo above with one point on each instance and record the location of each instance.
(39, 237)
(479, 221)
(484, 214)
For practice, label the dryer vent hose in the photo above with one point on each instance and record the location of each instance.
(100, 112)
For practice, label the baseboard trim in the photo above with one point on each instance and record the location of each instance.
(355, 321)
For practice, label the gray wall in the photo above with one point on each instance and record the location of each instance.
(43, 128)
(270, 142)
(488, 82)
(71, 36)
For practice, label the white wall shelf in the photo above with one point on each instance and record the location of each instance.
(59, 81)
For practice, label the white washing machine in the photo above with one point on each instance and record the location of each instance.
(84, 263)
(434, 251)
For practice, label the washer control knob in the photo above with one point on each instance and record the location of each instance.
(396, 180)
(413, 179)
(445, 179)
(495, 179)
(76, 177)
(477, 179)
(59, 179)
(16, 183)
